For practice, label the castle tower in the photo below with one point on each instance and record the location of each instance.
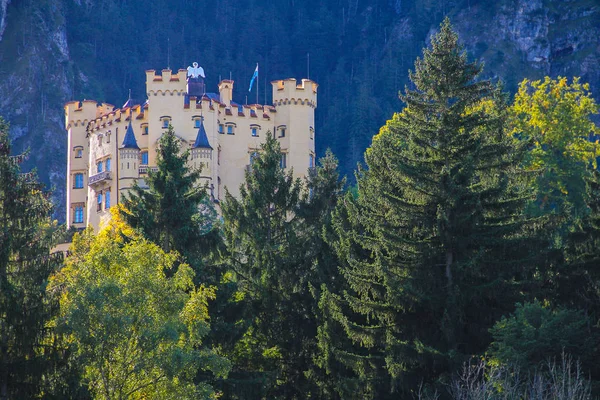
(202, 154)
(294, 123)
(77, 116)
(129, 161)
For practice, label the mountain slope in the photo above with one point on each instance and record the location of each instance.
(53, 51)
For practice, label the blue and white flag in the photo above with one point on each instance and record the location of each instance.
(254, 76)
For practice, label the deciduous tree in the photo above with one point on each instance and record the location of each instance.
(554, 117)
(135, 333)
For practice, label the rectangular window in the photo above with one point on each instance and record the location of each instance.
(311, 161)
(108, 164)
(144, 158)
(78, 217)
(78, 181)
(78, 152)
(255, 132)
(283, 162)
(165, 123)
(230, 129)
(107, 200)
(145, 130)
(99, 202)
(99, 166)
(282, 132)
(196, 123)
(221, 129)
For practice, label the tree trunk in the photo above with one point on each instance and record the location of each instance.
(449, 258)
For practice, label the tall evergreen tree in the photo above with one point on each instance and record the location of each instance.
(578, 276)
(170, 211)
(25, 265)
(273, 237)
(432, 246)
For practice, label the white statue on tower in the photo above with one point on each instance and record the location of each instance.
(195, 71)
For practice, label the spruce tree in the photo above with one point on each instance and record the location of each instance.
(26, 355)
(170, 212)
(432, 247)
(578, 275)
(275, 249)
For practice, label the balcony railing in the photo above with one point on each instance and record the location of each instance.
(144, 169)
(99, 177)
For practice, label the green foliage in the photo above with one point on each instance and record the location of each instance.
(554, 117)
(278, 256)
(174, 211)
(432, 248)
(261, 231)
(28, 353)
(534, 334)
(134, 332)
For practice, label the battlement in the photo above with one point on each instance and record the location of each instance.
(80, 113)
(166, 82)
(287, 91)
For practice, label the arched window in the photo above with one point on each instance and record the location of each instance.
(165, 121)
(78, 150)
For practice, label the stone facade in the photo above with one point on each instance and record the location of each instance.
(104, 161)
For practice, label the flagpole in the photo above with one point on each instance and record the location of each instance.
(257, 83)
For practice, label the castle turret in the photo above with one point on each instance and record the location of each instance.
(295, 121)
(129, 160)
(226, 91)
(202, 153)
(77, 117)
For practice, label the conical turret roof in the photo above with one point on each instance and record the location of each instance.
(129, 141)
(202, 138)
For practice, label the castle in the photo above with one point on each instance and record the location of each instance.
(110, 148)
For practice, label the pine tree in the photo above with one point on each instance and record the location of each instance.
(170, 211)
(25, 265)
(432, 246)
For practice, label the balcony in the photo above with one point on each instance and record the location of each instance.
(143, 170)
(100, 177)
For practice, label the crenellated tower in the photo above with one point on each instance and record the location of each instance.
(295, 122)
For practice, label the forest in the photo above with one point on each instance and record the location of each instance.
(462, 262)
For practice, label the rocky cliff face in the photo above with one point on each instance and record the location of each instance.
(34, 59)
(3, 6)
(533, 38)
(53, 51)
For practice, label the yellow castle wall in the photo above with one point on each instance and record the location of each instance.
(294, 106)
